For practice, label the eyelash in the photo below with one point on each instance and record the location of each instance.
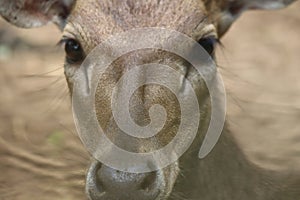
(209, 44)
(74, 52)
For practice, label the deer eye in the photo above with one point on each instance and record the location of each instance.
(74, 51)
(208, 44)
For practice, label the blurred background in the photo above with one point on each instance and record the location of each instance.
(41, 156)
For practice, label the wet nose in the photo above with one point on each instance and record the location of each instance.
(107, 183)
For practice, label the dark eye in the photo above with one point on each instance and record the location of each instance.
(74, 52)
(208, 44)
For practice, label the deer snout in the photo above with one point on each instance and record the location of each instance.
(105, 183)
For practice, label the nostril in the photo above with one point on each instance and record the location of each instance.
(149, 182)
(100, 186)
(94, 186)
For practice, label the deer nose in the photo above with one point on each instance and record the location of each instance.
(105, 183)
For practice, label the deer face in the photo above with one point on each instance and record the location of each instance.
(83, 32)
(86, 23)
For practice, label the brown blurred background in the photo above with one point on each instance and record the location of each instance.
(41, 156)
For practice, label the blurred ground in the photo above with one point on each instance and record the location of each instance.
(261, 68)
(41, 156)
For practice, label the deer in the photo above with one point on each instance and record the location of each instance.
(226, 173)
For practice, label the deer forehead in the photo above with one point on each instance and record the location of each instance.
(92, 21)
